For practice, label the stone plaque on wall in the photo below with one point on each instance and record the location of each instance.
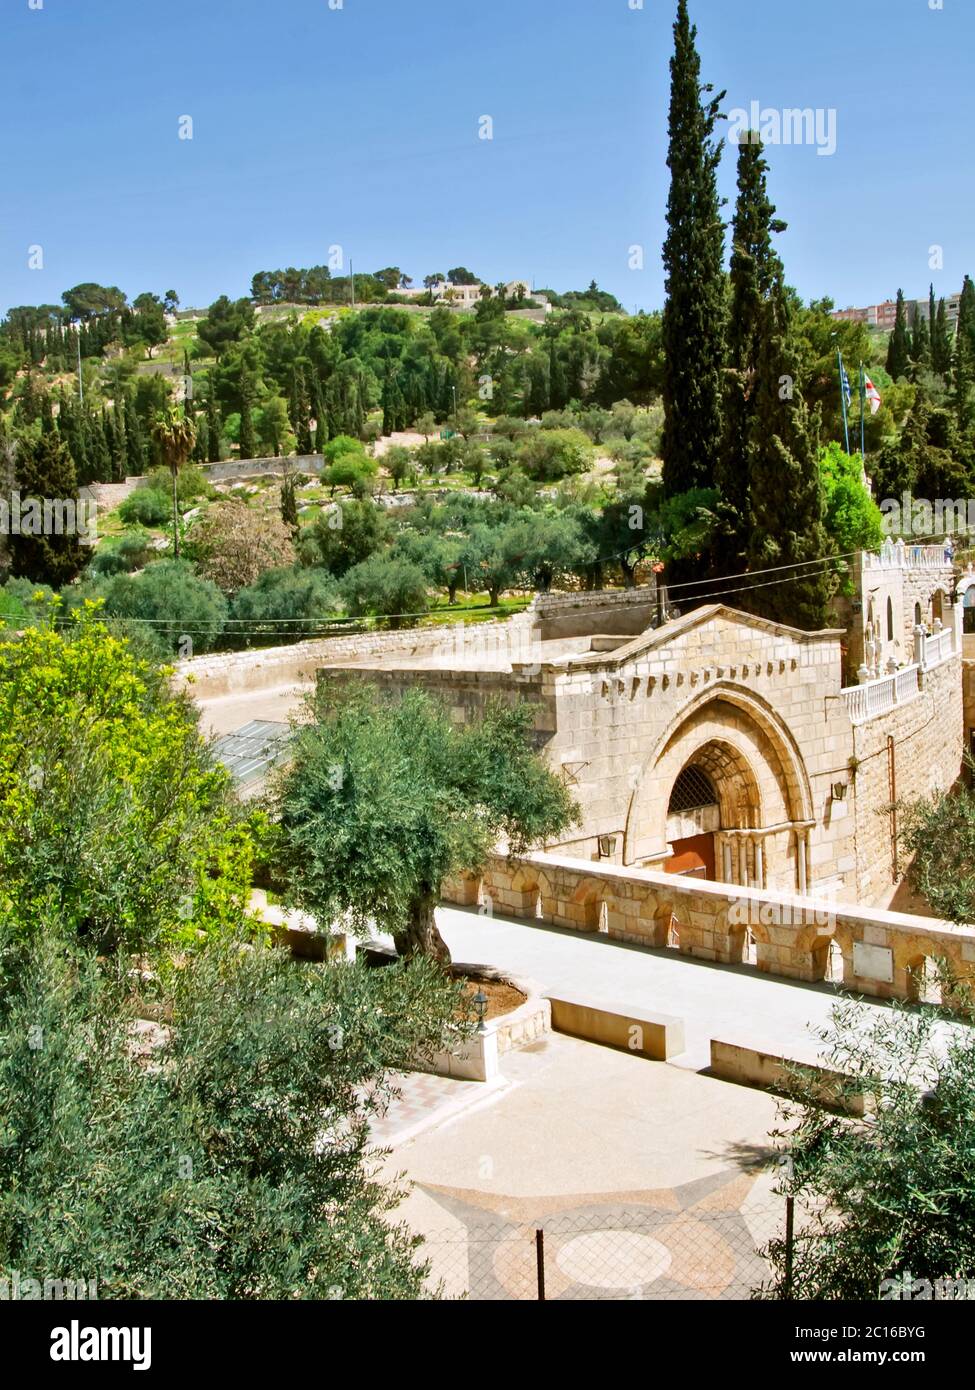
(873, 962)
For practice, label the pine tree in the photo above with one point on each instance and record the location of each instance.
(46, 473)
(754, 269)
(694, 314)
(899, 347)
(785, 488)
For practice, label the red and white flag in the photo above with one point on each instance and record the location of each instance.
(872, 395)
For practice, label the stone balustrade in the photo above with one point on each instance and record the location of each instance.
(883, 953)
(883, 694)
(901, 554)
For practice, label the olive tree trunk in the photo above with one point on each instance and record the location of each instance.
(420, 936)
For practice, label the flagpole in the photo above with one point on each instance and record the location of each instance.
(846, 422)
(863, 417)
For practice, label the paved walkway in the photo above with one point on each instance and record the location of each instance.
(649, 1182)
(732, 1003)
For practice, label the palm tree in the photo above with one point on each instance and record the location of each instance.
(175, 435)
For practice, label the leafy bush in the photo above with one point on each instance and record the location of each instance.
(186, 612)
(386, 586)
(191, 483)
(146, 506)
(122, 554)
(344, 535)
(547, 455)
(284, 600)
(225, 1156)
(113, 815)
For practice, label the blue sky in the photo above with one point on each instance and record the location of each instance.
(358, 127)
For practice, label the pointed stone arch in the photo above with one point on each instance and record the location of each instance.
(746, 749)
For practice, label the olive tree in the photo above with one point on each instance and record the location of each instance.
(386, 798)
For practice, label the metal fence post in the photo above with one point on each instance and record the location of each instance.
(789, 1241)
(540, 1263)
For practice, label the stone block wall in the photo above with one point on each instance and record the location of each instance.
(925, 755)
(626, 612)
(882, 952)
(223, 673)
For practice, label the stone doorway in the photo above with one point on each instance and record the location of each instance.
(693, 817)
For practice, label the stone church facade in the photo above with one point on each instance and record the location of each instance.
(717, 744)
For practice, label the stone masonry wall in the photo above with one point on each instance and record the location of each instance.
(223, 673)
(928, 738)
(882, 952)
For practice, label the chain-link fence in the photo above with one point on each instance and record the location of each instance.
(635, 1252)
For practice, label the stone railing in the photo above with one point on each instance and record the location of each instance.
(901, 555)
(877, 697)
(883, 953)
(938, 648)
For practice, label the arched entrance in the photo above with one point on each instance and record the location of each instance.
(693, 817)
(723, 796)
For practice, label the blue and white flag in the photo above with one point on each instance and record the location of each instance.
(845, 383)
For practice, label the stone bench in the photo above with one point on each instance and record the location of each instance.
(751, 1066)
(658, 1036)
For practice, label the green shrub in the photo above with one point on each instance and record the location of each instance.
(187, 613)
(146, 506)
(228, 1161)
(285, 601)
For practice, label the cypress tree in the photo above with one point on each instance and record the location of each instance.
(321, 417)
(693, 319)
(941, 346)
(118, 440)
(289, 504)
(754, 269)
(899, 347)
(964, 363)
(214, 425)
(920, 345)
(45, 472)
(135, 445)
(248, 438)
(785, 488)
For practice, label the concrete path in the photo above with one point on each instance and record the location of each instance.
(732, 1003)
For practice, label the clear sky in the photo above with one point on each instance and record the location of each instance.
(358, 126)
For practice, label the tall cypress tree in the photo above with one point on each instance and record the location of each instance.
(694, 313)
(920, 345)
(248, 437)
(45, 472)
(214, 425)
(135, 445)
(899, 347)
(941, 346)
(754, 269)
(964, 362)
(786, 503)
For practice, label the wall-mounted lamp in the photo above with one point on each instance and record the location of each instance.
(607, 846)
(480, 1002)
(839, 791)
